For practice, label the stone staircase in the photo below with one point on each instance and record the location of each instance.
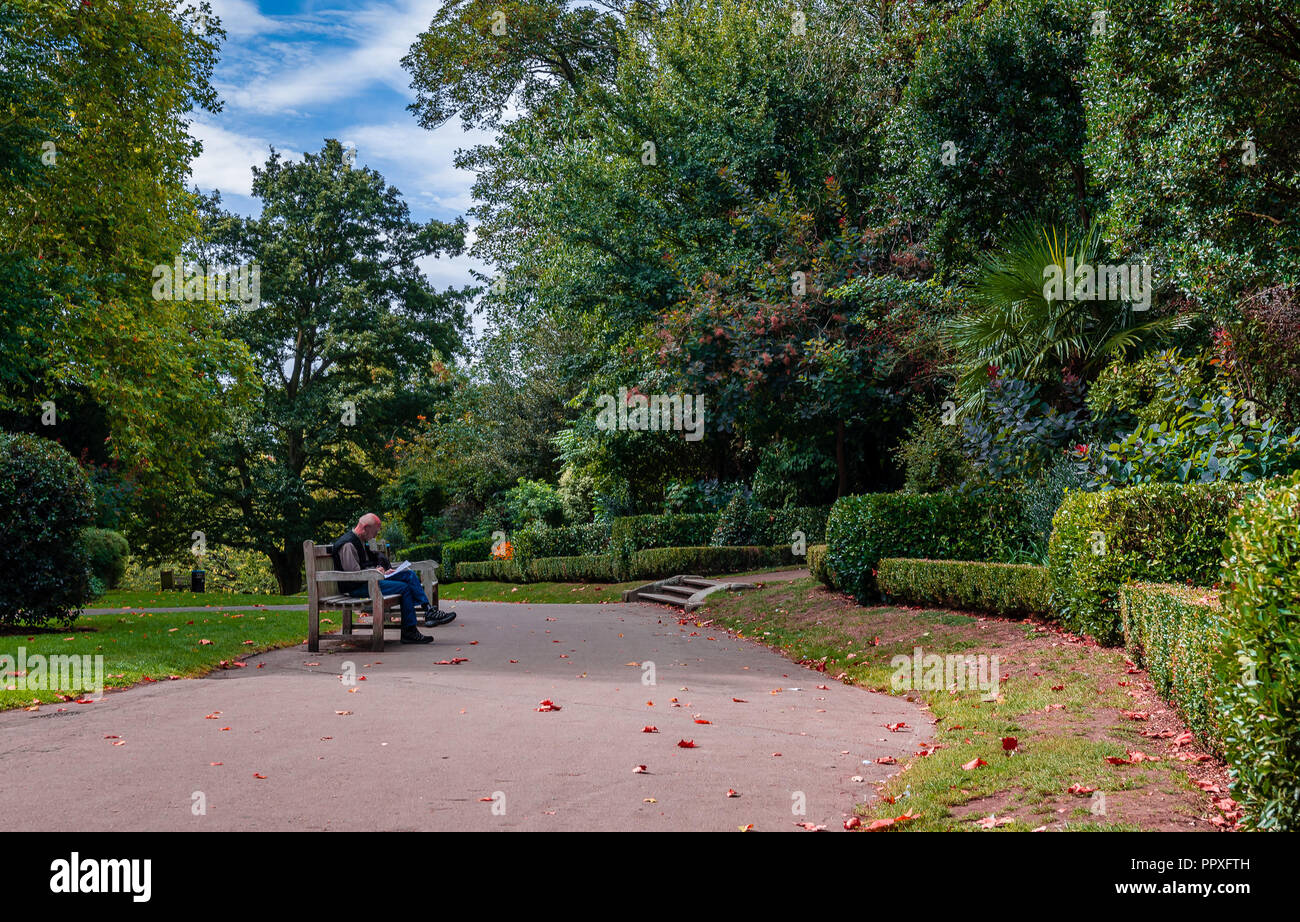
(685, 592)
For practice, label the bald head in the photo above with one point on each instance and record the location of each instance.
(368, 526)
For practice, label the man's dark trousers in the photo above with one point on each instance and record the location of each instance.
(408, 585)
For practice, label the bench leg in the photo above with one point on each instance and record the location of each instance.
(347, 621)
(376, 618)
(313, 630)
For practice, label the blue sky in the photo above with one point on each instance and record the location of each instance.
(294, 72)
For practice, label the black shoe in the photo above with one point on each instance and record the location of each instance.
(411, 635)
(437, 618)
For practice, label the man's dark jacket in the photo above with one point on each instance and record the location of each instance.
(365, 557)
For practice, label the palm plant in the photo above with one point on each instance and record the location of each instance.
(1015, 328)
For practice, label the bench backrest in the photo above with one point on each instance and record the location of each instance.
(318, 557)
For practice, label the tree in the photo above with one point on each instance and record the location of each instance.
(349, 342)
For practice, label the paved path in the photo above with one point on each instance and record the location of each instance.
(424, 743)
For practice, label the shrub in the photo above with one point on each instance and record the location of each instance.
(738, 523)
(1177, 632)
(423, 552)
(568, 541)
(1261, 714)
(657, 563)
(45, 502)
(227, 569)
(774, 526)
(669, 530)
(107, 551)
(572, 569)
(505, 571)
(1160, 533)
(469, 550)
(997, 588)
(945, 526)
(817, 566)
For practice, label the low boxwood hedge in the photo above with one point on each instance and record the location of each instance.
(864, 529)
(421, 552)
(997, 588)
(589, 568)
(1261, 713)
(1178, 633)
(775, 526)
(1158, 533)
(503, 571)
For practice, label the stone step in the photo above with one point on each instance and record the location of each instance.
(676, 600)
(678, 589)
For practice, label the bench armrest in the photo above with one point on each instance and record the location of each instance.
(361, 576)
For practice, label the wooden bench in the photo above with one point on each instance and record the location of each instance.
(323, 595)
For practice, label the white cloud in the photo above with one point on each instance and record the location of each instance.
(227, 159)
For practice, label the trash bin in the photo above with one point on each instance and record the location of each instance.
(168, 580)
(197, 580)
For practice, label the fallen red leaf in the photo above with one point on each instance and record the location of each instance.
(686, 744)
(973, 764)
(894, 728)
(649, 729)
(548, 705)
(852, 823)
(731, 793)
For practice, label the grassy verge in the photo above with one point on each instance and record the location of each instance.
(1063, 707)
(127, 598)
(142, 647)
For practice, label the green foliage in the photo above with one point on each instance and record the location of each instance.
(535, 541)
(1151, 533)
(423, 552)
(738, 524)
(1178, 633)
(45, 502)
(775, 526)
(502, 571)
(864, 529)
(585, 568)
(1261, 716)
(1192, 110)
(1198, 433)
(660, 562)
(818, 568)
(465, 551)
(1016, 435)
(533, 502)
(998, 588)
(107, 551)
(932, 456)
(669, 530)
(226, 569)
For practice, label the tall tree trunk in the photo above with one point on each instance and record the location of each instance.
(287, 567)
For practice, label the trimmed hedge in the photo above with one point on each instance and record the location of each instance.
(817, 566)
(422, 552)
(1178, 633)
(1261, 713)
(638, 532)
(1158, 533)
(537, 541)
(657, 563)
(998, 588)
(45, 502)
(107, 550)
(864, 529)
(504, 571)
(599, 569)
(467, 550)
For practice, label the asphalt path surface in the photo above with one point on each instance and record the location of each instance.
(463, 745)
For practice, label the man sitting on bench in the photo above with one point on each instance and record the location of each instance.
(351, 554)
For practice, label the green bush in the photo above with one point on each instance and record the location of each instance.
(535, 541)
(227, 569)
(469, 550)
(1159, 533)
(817, 566)
(572, 569)
(107, 551)
(1177, 632)
(864, 529)
(774, 526)
(504, 571)
(668, 530)
(45, 502)
(1261, 714)
(415, 552)
(659, 562)
(997, 588)
(739, 523)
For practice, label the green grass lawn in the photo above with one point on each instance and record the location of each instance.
(139, 599)
(1060, 700)
(537, 593)
(154, 646)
